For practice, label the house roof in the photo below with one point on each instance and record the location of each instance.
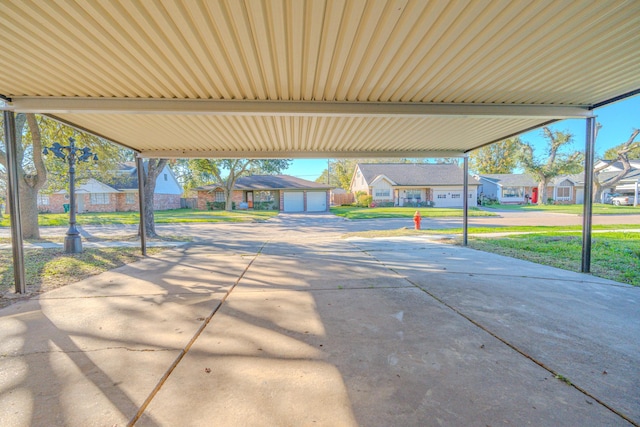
(92, 186)
(510, 179)
(415, 174)
(303, 78)
(526, 180)
(632, 176)
(271, 182)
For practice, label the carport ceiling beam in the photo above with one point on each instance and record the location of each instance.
(201, 154)
(62, 105)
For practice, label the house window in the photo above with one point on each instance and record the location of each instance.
(99, 198)
(165, 177)
(130, 198)
(456, 195)
(263, 196)
(383, 193)
(441, 196)
(43, 200)
(563, 193)
(414, 194)
(219, 196)
(512, 192)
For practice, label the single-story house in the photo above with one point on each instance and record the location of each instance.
(520, 188)
(414, 184)
(268, 192)
(627, 185)
(121, 195)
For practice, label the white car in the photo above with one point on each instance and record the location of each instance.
(622, 199)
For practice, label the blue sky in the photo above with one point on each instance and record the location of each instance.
(618, 121)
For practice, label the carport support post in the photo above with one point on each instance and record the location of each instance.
(14, 201)
(465, 202)
(142, 207)
(588, 194)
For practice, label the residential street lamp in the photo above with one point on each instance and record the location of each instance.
(71, 154)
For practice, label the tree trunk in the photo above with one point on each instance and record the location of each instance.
(28, 184)
(228, 200)
(154, 168)
(597, 191)
(542, 192)
(29, 212)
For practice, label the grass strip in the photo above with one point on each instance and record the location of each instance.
(352, 212)
(47, 269)
(614, 255)
(161, 217)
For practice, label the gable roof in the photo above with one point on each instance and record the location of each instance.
(271, 182)
(91, 186)
(127, 175)
(415, 174)
(526, 180)
(510, 179)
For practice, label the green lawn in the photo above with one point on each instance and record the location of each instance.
(397, 212)
(615, 255)
(488, 230)
(47, 269)
(598, 208)
(161, 217)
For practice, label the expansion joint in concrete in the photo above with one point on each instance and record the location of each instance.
(193, 339)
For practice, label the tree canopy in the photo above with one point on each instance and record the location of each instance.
(555, 161)
(632, 151)
(500, 157)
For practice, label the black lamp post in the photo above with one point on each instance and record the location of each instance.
(71, 154)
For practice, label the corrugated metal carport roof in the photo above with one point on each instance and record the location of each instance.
(315, 78)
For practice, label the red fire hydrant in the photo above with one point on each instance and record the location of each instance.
(416, 219)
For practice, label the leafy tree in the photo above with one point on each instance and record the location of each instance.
(447, 160)
(613, 152)
(501, 157)
(544, 169)
(39, 132)
(340, 172)
(622, 154)
(109, 156)
(204, 170)
(31, 170)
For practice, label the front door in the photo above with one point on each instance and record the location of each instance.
(250, 199)
(79, 203)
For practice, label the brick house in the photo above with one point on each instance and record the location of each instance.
(269, 192)
(119, 196)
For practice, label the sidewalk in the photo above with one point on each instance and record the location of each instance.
(260, 324)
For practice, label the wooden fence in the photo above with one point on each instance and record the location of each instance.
(342, 199)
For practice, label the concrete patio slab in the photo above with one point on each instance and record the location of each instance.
(272, 324)
(567, 322)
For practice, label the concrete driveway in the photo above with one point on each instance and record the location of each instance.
(286, 324)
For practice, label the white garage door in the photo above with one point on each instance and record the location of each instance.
(293, 201)
(317, 201)
(447, 199)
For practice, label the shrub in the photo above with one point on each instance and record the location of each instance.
(215, 206)
(364, 201)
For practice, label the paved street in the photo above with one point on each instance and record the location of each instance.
(287, 323)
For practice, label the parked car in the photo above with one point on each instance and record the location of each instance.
(622, 199)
